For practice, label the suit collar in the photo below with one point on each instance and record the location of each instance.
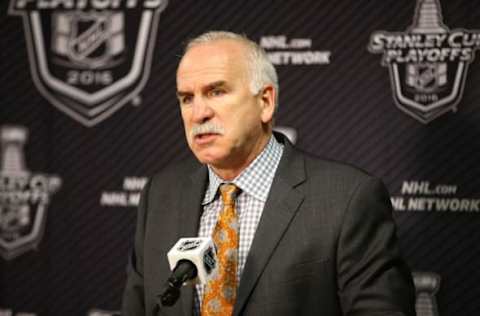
(283, 202)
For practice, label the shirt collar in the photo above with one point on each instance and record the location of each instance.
(256, 179)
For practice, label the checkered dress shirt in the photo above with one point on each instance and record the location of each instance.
(255, 182)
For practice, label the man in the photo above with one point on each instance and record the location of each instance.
(314, 237)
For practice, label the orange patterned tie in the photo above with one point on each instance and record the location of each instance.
(221, 291)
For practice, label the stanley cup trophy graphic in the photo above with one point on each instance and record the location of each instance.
(428, 18)
(13, 216)
(426, 286)
(12, 141)
(23, 196)
(427, 77)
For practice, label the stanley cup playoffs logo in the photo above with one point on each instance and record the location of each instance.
(24, 196)
(428, 63)
(89, 57)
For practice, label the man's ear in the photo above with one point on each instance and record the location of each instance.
(267, 98)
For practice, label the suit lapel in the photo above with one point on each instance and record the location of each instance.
(190, 212)
(281, 206)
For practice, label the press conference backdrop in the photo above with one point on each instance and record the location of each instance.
(88, 111)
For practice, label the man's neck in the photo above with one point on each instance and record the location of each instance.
(233, 170)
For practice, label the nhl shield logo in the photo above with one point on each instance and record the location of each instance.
(89, 40)
(427, 64)
(24, 196)
(89, 57)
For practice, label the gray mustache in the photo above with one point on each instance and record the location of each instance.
(206, 128)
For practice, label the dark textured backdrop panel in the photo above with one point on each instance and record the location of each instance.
(342, 109)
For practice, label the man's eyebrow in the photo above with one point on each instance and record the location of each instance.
(216, 84)
(182, 93)
(210, 86)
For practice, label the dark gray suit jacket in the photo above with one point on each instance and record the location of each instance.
(325, 244)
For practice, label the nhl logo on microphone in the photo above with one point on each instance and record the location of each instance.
(209, 261)
(200, 251)
(189, 245)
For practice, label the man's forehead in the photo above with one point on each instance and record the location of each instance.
(211, 52)
(226, 46)
(201, 76)
(211, 62)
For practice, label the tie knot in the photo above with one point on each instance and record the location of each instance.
(229, 192)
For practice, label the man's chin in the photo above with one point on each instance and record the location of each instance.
(207, 158)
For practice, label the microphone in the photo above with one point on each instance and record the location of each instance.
(190, 259)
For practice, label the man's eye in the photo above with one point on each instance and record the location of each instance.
(217, 92)
(186, 99)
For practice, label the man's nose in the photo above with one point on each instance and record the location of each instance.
(202, 112)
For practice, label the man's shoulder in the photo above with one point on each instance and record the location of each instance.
(325, 169)
(317, 167)
(340, 181)
(318, 164)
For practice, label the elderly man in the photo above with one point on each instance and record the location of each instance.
(296, 235)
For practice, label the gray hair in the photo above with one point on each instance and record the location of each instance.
(260, 68)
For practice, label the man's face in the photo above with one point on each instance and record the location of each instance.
(226, 125)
